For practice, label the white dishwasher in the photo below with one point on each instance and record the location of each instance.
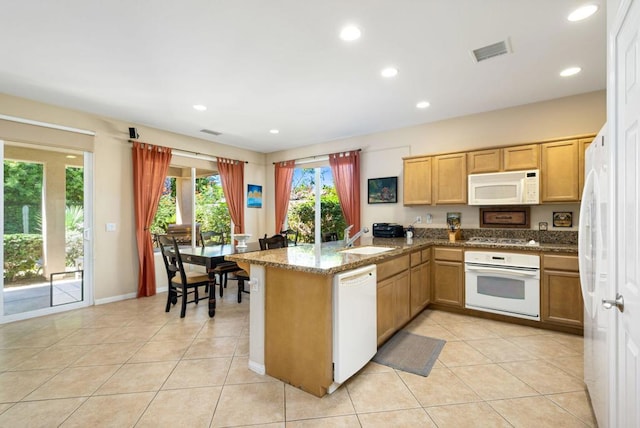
(354, 322)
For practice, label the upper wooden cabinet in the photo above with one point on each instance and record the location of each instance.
(583, 145)
(450, 179)
(417, 181)
(560, 171)
(517, 158)
(442, 179)
(514, 158)
(482, 161)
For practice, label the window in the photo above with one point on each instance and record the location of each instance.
(310, 187)
(212, 212)
(175, 205)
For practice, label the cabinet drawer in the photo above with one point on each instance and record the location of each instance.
(391, 267)
(560, 262)
(426, 255)
(452, 254)
(416, 258)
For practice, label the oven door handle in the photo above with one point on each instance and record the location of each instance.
(505, 272)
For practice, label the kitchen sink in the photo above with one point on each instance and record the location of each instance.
(367, 250)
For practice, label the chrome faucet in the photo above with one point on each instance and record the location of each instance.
(348, 242)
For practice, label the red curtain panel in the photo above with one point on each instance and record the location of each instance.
(283, 181)
(345, 168)
(232, 174)
(150, 166)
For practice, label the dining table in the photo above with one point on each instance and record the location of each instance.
(209, 257)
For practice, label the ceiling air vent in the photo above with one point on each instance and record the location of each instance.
(209, 131)
(491, 51)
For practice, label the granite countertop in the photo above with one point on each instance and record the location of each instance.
(328, 258)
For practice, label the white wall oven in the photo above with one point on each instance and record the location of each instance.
(503, 283)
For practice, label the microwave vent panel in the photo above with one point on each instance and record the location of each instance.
(491, 51)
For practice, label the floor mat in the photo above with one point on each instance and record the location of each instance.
(410, 353)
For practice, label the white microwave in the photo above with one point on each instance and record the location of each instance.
(505, 188)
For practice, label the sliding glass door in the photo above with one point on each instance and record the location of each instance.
(46, 224)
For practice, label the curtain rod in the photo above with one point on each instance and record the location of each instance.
(310, 159)
(192, 155)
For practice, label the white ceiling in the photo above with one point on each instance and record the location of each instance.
(264, 64)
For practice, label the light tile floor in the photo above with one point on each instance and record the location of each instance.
(131, 364)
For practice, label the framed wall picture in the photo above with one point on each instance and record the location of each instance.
(254, 196)
(383, 190)
(562, 219)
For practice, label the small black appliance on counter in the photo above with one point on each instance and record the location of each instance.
(387, 230)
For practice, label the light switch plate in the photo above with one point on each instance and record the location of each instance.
(110, 227)
(543, 225)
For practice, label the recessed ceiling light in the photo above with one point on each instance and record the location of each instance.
(350, 33)
(200, 107)
(389, 72)
(423, 104)
(570, 71)
(274, 131)
(582, 12)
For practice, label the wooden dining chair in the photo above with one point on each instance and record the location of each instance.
(210, 238)
(276, 241)
(291, 236)
(182, 284)
(329, 236)
(222, 269)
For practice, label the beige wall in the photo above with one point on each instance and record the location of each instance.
(382, 152)
(116, 263)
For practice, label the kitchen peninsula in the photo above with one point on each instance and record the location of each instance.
(291, 331)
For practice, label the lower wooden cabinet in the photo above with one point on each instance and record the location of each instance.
(561, 294)
(420, 281)
(448, 277)
(385, 318)
(394, 296)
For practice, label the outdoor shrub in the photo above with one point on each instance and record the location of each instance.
(22, 256)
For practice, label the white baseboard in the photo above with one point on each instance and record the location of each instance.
(258, 368)
(124, 297)
(115, 298)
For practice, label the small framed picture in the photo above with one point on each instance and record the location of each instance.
(562, 219)
(254, 196)
(383, 190)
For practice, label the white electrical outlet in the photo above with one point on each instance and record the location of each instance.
(429, 218)
(419, 219)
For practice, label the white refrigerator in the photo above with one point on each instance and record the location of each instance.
(594, 238)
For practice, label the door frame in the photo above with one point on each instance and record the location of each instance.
(88, 263)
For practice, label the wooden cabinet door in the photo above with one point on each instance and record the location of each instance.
(450, 179)
(448, 283)
(561, 300)
(583, 145)
(402, 299)
(521, 157)
(420, 287)
(482, 161)
(560, 171)
(417, 181)
(385, 310)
